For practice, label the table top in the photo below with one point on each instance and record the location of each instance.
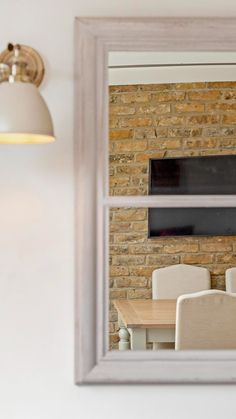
(153, 314)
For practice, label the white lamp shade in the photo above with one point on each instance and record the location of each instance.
(24, 115)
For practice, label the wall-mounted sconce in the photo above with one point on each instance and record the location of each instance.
(24, 115)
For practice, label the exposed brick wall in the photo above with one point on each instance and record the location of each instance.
(164, 120)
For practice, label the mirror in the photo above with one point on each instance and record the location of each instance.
(168, 111)
(156, 201)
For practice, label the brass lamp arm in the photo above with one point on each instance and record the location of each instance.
(21, 63)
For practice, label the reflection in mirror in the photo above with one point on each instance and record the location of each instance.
(158, 111)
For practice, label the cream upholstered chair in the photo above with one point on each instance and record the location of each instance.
(206, 320)
(230, 280)
(175, 280)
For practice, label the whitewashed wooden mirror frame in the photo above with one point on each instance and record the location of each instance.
(94, 39)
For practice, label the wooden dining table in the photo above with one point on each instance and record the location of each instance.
(145, 321)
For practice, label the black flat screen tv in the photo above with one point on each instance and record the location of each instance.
(192, 222)
(211, 175)
(192, 176)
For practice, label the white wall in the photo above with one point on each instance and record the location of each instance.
(143, 67)
(146, 75)
(36, 240)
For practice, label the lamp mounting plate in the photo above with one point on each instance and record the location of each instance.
(23, 62)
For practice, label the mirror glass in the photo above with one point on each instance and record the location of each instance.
(172, 131)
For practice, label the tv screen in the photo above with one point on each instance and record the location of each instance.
(192, 221)
(193, 176)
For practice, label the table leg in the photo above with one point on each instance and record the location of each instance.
(138, 339)
(124, 343)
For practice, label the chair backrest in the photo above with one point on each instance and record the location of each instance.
(230, 280)
(175, 280)
(206, 320)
